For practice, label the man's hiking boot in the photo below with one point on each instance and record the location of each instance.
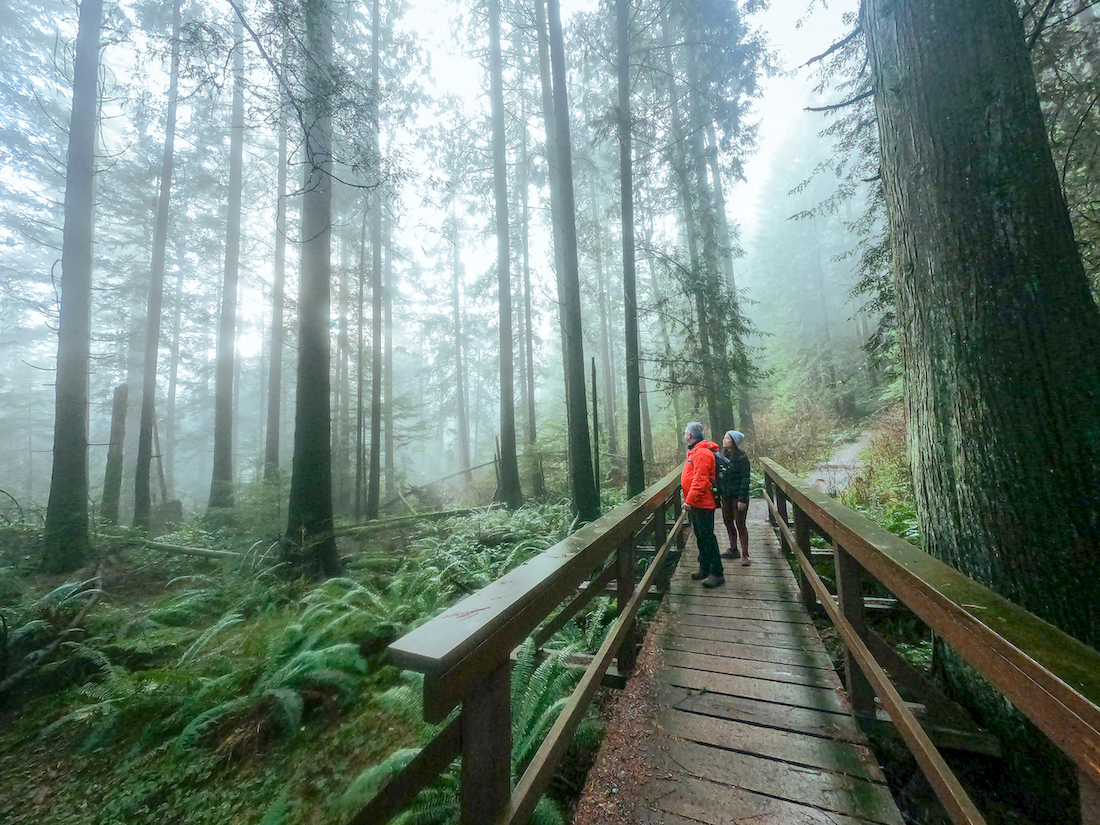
(698, 575)
(714, 581)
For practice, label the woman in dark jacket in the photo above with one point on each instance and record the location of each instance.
(736, 504)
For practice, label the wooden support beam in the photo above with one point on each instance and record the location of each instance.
(487, 748)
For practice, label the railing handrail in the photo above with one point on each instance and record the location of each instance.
(1049, 676)
(464, 642)
(464, 654)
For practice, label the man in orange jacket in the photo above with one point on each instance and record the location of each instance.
(696, 480)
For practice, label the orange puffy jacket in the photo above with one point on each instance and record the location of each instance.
(698, 475)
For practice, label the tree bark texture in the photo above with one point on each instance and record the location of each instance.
(309, 526)
(278, 325)
(510, 491)
(142, 498)
(374, 465)
(112, 476)
(1000, 337)
(635, 465)
(221, 483)
(65, 538)
(586, 498)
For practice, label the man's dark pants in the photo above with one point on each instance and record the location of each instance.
(702, 522)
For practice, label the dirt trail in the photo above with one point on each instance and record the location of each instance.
(832, 477)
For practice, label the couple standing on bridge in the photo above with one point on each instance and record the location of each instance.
(705, 489)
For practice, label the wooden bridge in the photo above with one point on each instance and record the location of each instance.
(752, 722)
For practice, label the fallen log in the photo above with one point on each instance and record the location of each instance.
(401, 521)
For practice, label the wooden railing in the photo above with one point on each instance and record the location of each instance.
(464, 656)
(1048, 676)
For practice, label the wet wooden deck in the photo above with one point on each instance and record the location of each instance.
(752, 723)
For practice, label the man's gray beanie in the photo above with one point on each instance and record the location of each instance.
(695, 430)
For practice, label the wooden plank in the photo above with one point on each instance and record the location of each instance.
(747, 649)
(839, 726)
(783, 693)
(764, 671)
(732, 598)
(688, 800)
(795, 637)
(834, 792)
(771, 743)
(795, 615)
(486, 722)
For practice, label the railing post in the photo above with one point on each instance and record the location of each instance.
(487, 748)
(781, 505)
(677, 509)
(1089, 783)
(769, 490)
(660, 535)
(624, 590)
(848, 574)
(802, 537)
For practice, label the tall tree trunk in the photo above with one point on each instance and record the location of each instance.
(374, 466)
(65, 538)
(1000, 337)
(510, 492)
(173, 381)
(309, 525)
(112, 476)
(387, 367)
(278, 324)
(360, 424)
(707, 225)
(462, 411)
(340, 440)
(528, 329)
(605, 336)
(695, 287)
(156, 290)
(221, 483)
(586, 498)
(726, 242)
(635, 465)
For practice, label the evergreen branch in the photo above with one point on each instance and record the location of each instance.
(840, 44)
(848, 102)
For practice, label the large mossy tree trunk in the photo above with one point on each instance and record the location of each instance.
(1000, 336)
(65, 538)
(309, 525)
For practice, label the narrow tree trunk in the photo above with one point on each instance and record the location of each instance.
(585, 496)
(635, 466)
(343, 385)
(360, 444)
(595, 429)
(221, 483)
(387, 323)
(510, 492)
(156, 290)
(309, 526)
(605, 337)
(374, 466)
(278, 325)
(65, 538)
(173, 381)
(112, 476)
(1000, 337)
(462, 412)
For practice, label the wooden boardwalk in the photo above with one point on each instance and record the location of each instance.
(752, 722)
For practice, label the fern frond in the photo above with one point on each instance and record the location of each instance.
(224, 623)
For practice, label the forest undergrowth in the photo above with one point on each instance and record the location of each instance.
(176, 689)
(1007, 790)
